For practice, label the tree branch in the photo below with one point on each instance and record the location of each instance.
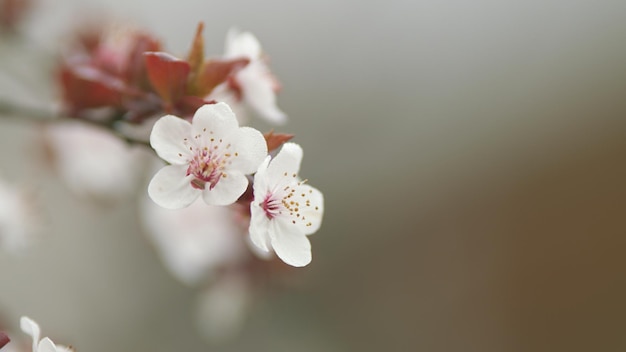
(20, 112)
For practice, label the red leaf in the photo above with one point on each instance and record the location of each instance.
(85, 87)
(215, 72)
(275, 140)
(136, 68)
(196, 54)
(167, 74)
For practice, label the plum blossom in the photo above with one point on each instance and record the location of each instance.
(31, 328)
(210, 156)
(285, 209)
(194, 242)
(254, 85)
(92, 161)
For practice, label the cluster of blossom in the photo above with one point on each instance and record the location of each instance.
(123, 77)
(226, 195)
(212, 157)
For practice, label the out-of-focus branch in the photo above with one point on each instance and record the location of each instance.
(20, 112)
(16, 111)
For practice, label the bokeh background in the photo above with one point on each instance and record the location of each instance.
(472, 156)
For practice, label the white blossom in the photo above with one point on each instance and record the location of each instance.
(31, 328)
(92, 161)
(285, 209)
(210, 156)
(254, 85)
(194, 242)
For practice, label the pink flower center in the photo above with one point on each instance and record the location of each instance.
(271, 206)
(206, 168)
(289, 202)
(274, 203)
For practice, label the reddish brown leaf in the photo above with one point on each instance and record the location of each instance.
(275, 140)
(4, 339)
(168, 75)
(196, 54)
(213, 73)
(136, 67)
(85, 87)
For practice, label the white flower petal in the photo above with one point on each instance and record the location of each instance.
(214, 119)
(259, 227)
(314, 212)
(260, 179)
(258, 252)
(289, 243)
(241, 44)
(46, 345)
(251, 149)
(286, 161)
(259, 91)
(171, 189)
(227, 190)
(168, 139)
(31, 328)
(224, 93)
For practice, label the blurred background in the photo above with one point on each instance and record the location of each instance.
(472, 157)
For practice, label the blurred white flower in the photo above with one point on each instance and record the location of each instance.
(18, 221)
(210, 157)
(92, 161)
(31, 328)
(194, 242)
(223, 307)
(285, 210)
(254, 85)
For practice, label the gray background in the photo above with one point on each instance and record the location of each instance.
(471, 154)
